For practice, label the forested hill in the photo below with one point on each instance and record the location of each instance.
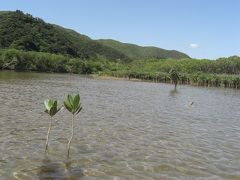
(139, 52)
(24, 32)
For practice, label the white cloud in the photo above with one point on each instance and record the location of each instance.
(193, 45)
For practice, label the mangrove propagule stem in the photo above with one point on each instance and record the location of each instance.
(70, 140)
(49, 129)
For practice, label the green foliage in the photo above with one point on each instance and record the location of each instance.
(11, 59)
(138, 52)
(229, 65)
(224, 72)
(174, 75)
(72, 103)
(51, 107)
(24, 32)
(191, 71)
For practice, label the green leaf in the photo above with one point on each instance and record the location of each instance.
(51, 107)
(72, 103)
(50, 102)
(78, 110)
(67, 106)
(47, 104)
(54, 104)
(76, 101)
(70, 100)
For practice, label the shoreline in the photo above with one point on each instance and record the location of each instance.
(108, 77)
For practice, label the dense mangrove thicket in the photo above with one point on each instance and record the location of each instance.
(198, 79)
(11, 59)
(223, 72)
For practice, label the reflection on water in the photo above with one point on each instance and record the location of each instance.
(50, 169)
(56, 170)
(127, 130)
(173, 92)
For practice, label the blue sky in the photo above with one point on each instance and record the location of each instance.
(200, 28)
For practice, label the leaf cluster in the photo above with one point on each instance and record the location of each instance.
(51, 107)
(72, 103)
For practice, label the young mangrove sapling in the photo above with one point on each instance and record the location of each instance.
(73, 105)
(51, 108)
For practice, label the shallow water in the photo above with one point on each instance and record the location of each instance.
(127, 130)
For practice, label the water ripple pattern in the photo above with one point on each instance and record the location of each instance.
(127, 130)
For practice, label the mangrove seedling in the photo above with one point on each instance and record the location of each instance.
(73, 105)
(52, 109)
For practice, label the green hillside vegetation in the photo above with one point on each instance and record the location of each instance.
(23, 32)
(138, 52)
(3, 12)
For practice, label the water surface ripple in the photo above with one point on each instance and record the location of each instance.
(127, 130)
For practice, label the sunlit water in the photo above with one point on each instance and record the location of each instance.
(127, 130)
